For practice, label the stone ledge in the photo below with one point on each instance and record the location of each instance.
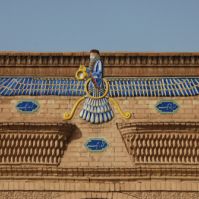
(137, 172)
(96, 193)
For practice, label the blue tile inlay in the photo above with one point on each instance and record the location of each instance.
(119, 87)
(96, 144)
(27, 106)
(167, 106)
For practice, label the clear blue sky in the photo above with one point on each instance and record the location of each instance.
(108, 25)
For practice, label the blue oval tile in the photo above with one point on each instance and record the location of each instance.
(96, 144)
(27, 106)
(167, 106)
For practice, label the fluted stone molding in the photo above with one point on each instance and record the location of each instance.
(33, 143)
(109, 58)
(66, 64)
(162, 143)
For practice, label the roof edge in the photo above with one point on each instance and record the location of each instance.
(103, 53)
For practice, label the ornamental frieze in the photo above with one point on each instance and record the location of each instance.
(118, 87)
(33, 143)
(63, 59)
(161, 143)
(133, 64)
(98, 92)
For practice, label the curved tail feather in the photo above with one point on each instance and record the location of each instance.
(96, 110)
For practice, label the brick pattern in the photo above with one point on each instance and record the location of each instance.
(142, 108)
(116, 156)
(111, 174)
(52, 109)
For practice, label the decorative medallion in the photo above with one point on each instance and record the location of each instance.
(167, 106)
(27, 106)
(96, 144)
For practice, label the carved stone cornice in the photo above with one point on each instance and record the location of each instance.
(66, 64)
(162, 143)
(137, 172)
(109, 58)
(33, 143)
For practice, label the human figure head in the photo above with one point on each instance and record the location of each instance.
(94, 55)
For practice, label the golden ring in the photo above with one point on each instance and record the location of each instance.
(100, 97)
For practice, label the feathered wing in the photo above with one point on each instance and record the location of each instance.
(10, 86)
(128, 87)
(146, 87)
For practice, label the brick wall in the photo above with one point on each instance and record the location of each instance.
(52, 109)
(112, 173)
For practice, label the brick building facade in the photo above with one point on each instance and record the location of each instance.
(153, 154)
